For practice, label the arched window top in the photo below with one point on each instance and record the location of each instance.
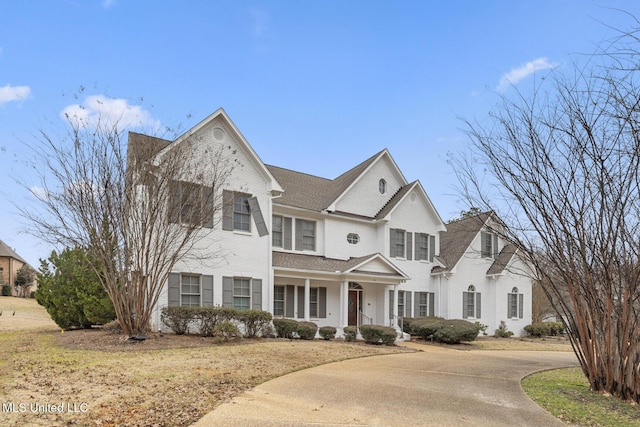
(471, 288)
(514, 290)
(354, 285)
(382, 186)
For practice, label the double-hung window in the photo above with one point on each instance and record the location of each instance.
(425, 304)
(241, 213)
(471, 303)
(422, 246)
(515, 303)
(278, 301)
(489, 244)
(397, 240)
(305, 235)
(242, 293)
(313, 302)
(190, 290)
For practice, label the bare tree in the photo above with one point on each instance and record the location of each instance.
(138, 208)
(567, 162)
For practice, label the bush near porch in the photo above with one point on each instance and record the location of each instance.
(447, 331)
(376, 334)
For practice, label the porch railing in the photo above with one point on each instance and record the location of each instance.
(396, 321)
(364, 319)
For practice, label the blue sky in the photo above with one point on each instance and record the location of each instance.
(314, 86)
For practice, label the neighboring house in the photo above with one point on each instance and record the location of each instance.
(482, 278)
(10, 263)
(364, 247)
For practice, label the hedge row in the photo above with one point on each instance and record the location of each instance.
(216, 321)
(452, 331)
(289, 328)
(544, 329)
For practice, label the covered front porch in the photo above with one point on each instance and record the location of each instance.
(339, 293)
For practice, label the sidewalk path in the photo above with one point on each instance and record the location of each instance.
(435, 387)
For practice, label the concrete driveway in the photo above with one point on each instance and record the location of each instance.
(438, 386)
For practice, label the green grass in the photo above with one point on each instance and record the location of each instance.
(565, 394)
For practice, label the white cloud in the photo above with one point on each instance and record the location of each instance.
(101, 110)
(108, 3)
(10, 93)
(517, 74)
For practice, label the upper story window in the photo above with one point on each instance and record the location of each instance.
(305, 235)
(276, 231)
(241, 213)
(382, 186)
(353, 238)
(191, 204)
(489, 244)
(397, 243)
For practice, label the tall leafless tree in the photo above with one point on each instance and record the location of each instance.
(139, 208)
(566, 159)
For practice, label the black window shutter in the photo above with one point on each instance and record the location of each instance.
(256, 213)
(298, 235)
(432, 247)
(391, 304)
(227, 210)
(288, 310)
(300, 302)
(392, 243)
(256, 294)
(432, 302)
(521, 306)
(174, 290)
(207, 290)
(465, 303)
(227, 291)
(208, 200)
(286, 233)
(322, 303)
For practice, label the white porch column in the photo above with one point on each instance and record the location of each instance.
(307, 298)
(395, 305)
(344, 303)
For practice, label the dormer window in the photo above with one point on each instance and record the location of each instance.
(489, 244)
(382, 186)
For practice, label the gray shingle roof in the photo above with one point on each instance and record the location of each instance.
(6, 251)
(502, 260)
(323, 264)
(311, 192)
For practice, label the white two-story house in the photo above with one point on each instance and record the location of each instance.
(365, 247)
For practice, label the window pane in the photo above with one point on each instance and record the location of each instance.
(276, 229)
(241, 213)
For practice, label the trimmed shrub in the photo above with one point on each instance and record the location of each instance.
(350, 333)
(543, 329)
(210, 317)
(285, 328)
(445, 331)
(406, 324)
(254, 321)
(328, 332)
(177, 318)
(503, 331)
(426, 327)
(482, 328)
(6, 290)
(307, 330)
(227, 329)
(455, 332)
(376, 334)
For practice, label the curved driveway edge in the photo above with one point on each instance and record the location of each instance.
(437, 386)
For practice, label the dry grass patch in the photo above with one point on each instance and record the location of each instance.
(164, 381)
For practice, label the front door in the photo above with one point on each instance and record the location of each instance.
(355, 303)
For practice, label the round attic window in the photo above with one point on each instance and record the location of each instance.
(218, 134)
(382, 186)
(353, 238)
